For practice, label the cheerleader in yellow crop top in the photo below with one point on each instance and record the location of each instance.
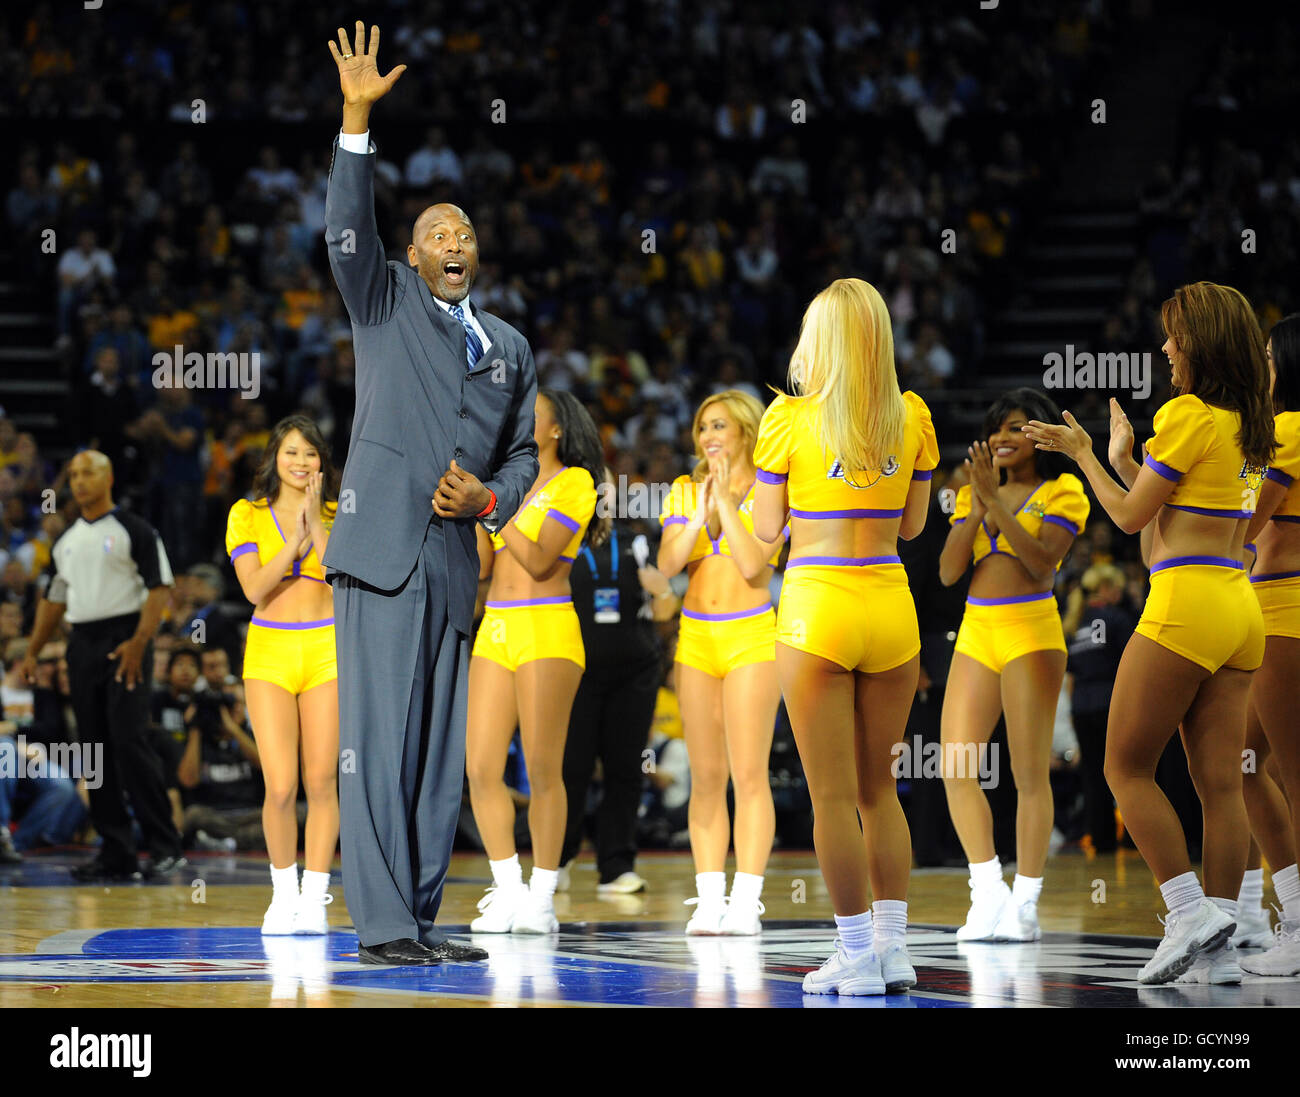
(1201, 634)
(1016, 519)
(527, 662)
(1271, 728)
(849, 458)
(725, 646)
(290, 675)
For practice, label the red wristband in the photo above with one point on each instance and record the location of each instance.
(492, 505)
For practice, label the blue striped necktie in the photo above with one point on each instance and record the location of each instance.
(473, 344)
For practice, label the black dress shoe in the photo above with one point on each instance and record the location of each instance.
(450, 950)
(404, 951)
(166, 866)
(98, 872)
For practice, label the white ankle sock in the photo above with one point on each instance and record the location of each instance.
(1251, 895)
(746, 888)
(285, 880)
(507, 873)
(1286, 885)
(1182, 894)
(315, 884)
(986, 873)
(856, 933)
(1026, 889)
(543, 881)
(889, 922)
(711, 885)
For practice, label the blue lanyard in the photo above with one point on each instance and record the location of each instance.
(613, 557)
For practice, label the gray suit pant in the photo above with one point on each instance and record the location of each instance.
(402, 697)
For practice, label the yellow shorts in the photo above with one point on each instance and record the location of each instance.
(1279, 602)
(1200, 607)
(295, 657)
(718, 643)
(996, 630)
(855, 611)
(523, 631)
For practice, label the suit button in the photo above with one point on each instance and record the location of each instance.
(460, 453)
(464, 414)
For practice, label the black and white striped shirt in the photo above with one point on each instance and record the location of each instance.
(107, 567)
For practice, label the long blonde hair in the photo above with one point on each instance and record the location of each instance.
(743, 409)
(845, 358)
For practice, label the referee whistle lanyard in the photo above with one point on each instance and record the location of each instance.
(589, 556)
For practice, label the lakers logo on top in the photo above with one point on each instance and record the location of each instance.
(836, 472)
(1253, 474)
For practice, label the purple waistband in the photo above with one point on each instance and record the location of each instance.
(1010, 600)
(755, 612)
(1186, 561)
(1275, 575)
(264, 623)
(1285, 518)
(557, 600)
(816, 514)
(1212, 512)
(842, 561)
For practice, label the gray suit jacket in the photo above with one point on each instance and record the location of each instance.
(417, 406)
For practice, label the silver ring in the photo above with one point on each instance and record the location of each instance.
(347, 57)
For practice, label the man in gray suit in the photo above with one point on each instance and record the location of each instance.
(442, 438)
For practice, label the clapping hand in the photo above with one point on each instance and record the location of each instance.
(1120, 449)
(983, 476)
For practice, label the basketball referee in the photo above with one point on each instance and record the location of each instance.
(109, 577)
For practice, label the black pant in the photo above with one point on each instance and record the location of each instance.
(108, 713)
(1099, 803)
(611, 717)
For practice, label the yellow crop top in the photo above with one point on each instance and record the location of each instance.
(568, 497)
(680, 505)
(1060, 502)
(253, 527)
(1285, 468)
(788, 451)
(1195, 445)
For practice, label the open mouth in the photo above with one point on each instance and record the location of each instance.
(1006, 451)
(454, 271)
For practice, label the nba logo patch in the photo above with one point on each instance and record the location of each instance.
(108, 544)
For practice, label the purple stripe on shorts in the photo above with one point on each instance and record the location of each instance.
(756, 611)
(557, 600)
(1013, 600)
(1064, 523)
(1274, 575)
(847, 513)
(1162, 469)
(564, 520)
(240, 550)
(1185, 561)
(1211, 512)
(1285, 518)
(292, 624)
(842, 561)
(772, 477)
(1279, 477)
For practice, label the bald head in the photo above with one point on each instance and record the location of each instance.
(444, 250)
(90, 477)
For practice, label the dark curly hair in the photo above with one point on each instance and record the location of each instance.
(1036, 405)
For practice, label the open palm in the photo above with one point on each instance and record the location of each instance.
(359, 77)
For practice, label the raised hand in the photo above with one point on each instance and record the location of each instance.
(1120, 450)
(983, 476)
(359, 77)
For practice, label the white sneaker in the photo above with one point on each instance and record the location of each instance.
(839, 975)
(309, 915)
(1202, 930)
(896, 967)
(498, 909)
(741, 919)
(1219, 966)
(279, 918)
(707, 919)
(986, 907)
(562, 878)
(1282, 959)
(1019, 922)
(629, 883)
(1253, 929)
(535, 914)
